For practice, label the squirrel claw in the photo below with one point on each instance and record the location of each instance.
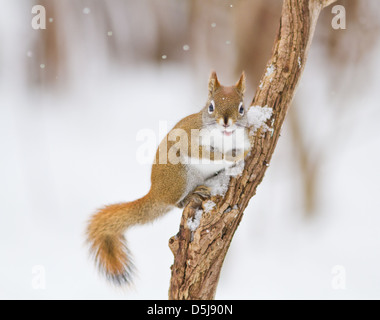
(203, 192)
(199, 194)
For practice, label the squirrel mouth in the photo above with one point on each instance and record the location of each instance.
(228, 132)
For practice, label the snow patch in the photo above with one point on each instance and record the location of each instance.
(235, 170)
(270, 70)
(218, 184)
(193, 223)
(208, 206)
(257, 116)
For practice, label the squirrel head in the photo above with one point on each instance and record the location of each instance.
(225, 107)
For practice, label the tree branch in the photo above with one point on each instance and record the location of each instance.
(199, 254)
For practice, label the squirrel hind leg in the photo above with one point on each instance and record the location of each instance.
(198, 195)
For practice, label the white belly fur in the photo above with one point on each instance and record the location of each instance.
(208, 168)
(215, 138)
(199, 170)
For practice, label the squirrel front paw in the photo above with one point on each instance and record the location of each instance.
(235, 155)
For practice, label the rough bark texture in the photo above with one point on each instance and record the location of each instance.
(199, 255)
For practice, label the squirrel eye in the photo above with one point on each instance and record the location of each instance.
(211, 107)
(241, 108)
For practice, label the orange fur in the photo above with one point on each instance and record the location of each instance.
(106, 239)
(170, 186)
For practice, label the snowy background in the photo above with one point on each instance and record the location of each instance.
(74, 96)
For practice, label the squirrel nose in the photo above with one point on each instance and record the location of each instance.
(225, 121)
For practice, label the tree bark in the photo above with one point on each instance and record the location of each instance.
(199, 254)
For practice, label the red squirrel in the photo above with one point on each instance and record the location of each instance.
(178, 173)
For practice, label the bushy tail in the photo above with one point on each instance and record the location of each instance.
(106, 239)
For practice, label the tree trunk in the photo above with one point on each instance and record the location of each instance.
(199, 254)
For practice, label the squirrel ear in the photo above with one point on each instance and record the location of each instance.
(240, 85)
(213, 83)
